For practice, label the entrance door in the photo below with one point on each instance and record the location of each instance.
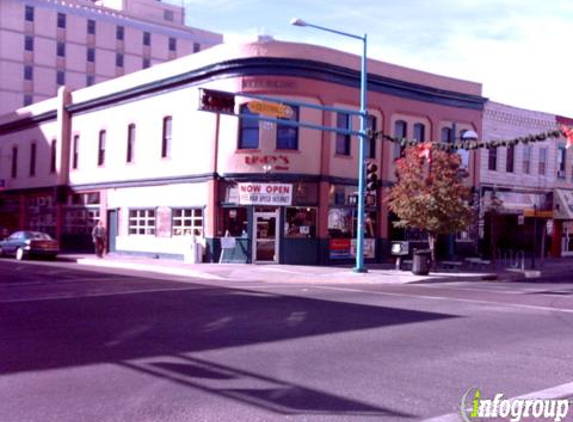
(111, 229)
(265, 237)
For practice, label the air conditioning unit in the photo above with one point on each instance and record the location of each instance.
(561, 174)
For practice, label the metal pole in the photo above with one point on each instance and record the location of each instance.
(534, 236)
(361, 164)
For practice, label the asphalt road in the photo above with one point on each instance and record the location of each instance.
(113, 345)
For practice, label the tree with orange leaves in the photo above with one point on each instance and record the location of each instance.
(430, 194)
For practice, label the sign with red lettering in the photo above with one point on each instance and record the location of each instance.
(265, 194)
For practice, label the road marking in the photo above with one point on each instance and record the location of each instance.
(558, 392)
(93, 294)
(482, 302)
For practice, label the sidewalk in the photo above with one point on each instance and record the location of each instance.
(377, 273)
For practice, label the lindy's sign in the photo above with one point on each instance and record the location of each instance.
(265, 194)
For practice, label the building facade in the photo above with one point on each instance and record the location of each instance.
(137, 152)
(45, 44)
(529, 179)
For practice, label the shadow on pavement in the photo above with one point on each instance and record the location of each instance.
(130, 328)
(268, 393)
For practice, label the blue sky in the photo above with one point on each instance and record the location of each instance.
(520, 50)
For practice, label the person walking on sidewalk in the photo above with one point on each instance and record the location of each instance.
(98, 236)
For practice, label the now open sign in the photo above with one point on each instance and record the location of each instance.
(265, 194)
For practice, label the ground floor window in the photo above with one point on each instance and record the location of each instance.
(141, 222)
(342, 223)
(300, 222)
(80, 220)
(235, 221)
(187, 221)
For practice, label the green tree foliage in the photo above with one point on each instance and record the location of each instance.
(430, 194)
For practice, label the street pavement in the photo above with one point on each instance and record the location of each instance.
(377, 273)
(243, 343)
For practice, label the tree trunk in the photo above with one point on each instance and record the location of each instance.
(432, 242)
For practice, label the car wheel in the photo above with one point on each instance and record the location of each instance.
(20, 254)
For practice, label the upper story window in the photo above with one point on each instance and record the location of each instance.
(196, 47)
(248, 130)
(33, 150)
(75, 151)
(371, 142)
(492, 159)
(90, 79)
(342, 140)
(28, 73)
(28, 99)
(29, 43)
(287, 136)
(146, 62)
(53, 152)
(146, 38)
(400, 132)
(101, 148)
(509, 163)
(90, 55)
(447, 135)
(61, 49)
(60, 78)
(172, 44)
(527, 159)
(118, 60)
(419, 132)
(29, 14)
(130, 143)
(91, 26)
(168, 15)
(62, 20)
(166, 137)
(14, 169)
(542, 161)
(561, 160)
(119, 33)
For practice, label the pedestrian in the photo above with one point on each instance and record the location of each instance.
(98, 236)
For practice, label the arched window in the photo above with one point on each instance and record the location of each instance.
(400, 131)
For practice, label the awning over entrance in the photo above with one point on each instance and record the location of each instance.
(563, 204)
(515, 202)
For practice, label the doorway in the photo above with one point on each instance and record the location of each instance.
(265, 236)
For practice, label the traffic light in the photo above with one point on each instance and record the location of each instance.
(372, 181)
(216, 101)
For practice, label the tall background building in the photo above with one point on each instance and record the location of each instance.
(45, 44)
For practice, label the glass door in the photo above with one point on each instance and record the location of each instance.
(265, 239)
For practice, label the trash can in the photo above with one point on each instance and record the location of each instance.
(421, 262)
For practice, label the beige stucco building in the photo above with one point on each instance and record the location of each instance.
(45, 44)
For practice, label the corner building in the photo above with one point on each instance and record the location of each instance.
(137, 152)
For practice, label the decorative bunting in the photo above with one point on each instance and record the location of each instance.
(473, 145)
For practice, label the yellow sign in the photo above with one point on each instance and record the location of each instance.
(270, 109)
(529, 212)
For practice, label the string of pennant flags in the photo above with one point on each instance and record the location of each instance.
(562, 131)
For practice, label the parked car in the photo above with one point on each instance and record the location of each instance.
(24, 244)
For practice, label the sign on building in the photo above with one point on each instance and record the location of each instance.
(279, 194)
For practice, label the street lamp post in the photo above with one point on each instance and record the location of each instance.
(363, 137)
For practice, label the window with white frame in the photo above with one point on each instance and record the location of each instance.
(542, 161)
(187, 221)
(527, 159)
(141, 222)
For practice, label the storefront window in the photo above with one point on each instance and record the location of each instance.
(234, 221)
(80, 220)
(300, 222)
